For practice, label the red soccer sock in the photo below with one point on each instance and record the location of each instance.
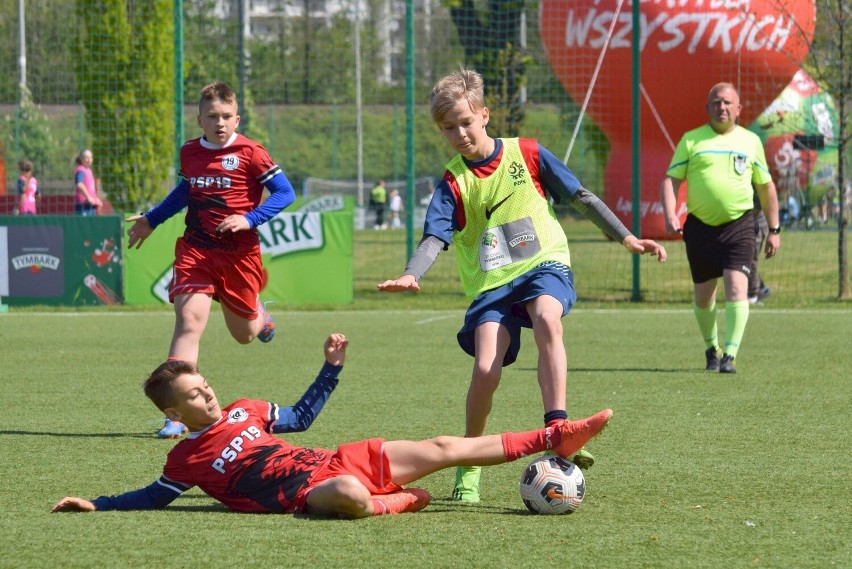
(519, 445)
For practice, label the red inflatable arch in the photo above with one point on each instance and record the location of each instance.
(687, 46)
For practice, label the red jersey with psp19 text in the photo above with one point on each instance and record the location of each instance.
(239, 462)
(223, 181)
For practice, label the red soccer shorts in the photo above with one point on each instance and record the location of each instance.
(233, 279)
(365, 460)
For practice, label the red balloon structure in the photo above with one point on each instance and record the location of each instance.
(687, 46)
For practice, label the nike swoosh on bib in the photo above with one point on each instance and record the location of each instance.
(489, 211)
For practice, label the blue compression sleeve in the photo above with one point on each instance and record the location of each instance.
(301, 415)
(156, 495)
(177, 199)
(281, 194)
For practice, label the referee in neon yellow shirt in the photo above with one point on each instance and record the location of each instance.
(720, 161)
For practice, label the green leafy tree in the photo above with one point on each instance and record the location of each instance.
(33, 133)
(490, 38)
(123, 59)
(830, 63)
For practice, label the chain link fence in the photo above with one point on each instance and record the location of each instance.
(323, 85)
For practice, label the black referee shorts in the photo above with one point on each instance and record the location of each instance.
(712, 249)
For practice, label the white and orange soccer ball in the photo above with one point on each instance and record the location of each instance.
(552, 485)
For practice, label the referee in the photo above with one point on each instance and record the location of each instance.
(720, 161)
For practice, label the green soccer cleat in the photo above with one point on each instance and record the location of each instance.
(583, 459)
(467, 484)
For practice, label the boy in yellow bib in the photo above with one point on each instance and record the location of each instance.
(493, 204)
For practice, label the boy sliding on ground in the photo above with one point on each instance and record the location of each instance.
(232, 455)
(222, 178)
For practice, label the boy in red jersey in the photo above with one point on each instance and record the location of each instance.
(233, 456)
(222, 178)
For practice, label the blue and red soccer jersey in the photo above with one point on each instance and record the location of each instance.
(240, 463)
(224, 181)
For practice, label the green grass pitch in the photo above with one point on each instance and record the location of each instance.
(697, 469)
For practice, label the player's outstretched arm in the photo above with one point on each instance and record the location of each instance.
(139, 231)
(645, 247)
(402, 284)
(335, 348)
(72, 504)
(300, 416)
(419, 263)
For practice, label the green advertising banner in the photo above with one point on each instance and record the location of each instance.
(60, 260)
(307, 257)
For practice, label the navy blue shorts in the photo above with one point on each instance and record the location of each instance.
(507, 305)
(712, 249)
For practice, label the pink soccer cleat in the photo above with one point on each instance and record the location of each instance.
(268, 331)
(401, 501)
(575, 434)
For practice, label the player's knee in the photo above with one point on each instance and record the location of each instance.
(446, 447)
(352, 498)
(548, 325)
(483, 385)
(243, 338)
(486, 375)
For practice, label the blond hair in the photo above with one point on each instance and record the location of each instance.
(464, 84)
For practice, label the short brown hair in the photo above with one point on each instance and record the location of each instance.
(217, 91)
(25, 165)
(464, 84)
(159, 385)
(721, 86)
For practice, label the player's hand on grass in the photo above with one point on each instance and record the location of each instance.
(232, 224)
(72, 504)
(645, 247)
(335, 349)
(402, 284)
(139, 231)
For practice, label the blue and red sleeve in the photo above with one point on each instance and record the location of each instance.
(156, 495)
(299, 416)
(281, 195)
(172, 204)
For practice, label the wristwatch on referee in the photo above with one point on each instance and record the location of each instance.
(775, 230)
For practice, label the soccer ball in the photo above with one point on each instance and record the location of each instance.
(552, 485)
